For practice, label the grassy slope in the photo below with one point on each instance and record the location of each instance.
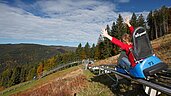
(98, 85)
(90, 86)
(94, 87)
(38, 83)
(162, 48)
(84, 83)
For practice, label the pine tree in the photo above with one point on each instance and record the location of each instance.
(107, 45)
(23, 74)
(113, 30)
(133, 20)
(83, 54)
(97, 52)
(151, 25)
(169, 21)
(15, 78)
(115, 34)
(140, 21)
(120, 30)
(78, 51)
(87, 50)
(5, 77)
(156, 28)
(31, 74)
(165, 18)
(120, 26)
(93, 48)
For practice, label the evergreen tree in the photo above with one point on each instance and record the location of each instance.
(141, 21)
(100, 39)
(83, 54)
(121, 29)
(87, 50)
(120, 26)
(97, 52)
(93, 48)
(23, 74)
(115, 34)
(169, 21)
(5, 78)
(133, 20)
(15, 78)
(165, 18)
(107, 44)
(113, 30)
(78, 51)
(151, 25)
(58, 59)
(31, 74)
(156, 28)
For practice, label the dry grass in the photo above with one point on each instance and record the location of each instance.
(162, 48)
(63, 85)
(74, 82)
(110, 60)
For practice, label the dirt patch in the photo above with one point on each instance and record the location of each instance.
(67, 85)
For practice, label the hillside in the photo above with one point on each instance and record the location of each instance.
(76, 81)
(161, 47)
(17, 54)
(64, 83)
(70, 82)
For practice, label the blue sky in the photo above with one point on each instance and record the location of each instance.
(65, 22)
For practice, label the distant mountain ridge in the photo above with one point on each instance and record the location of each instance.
(16, 54)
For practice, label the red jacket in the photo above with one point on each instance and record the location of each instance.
(126, 47)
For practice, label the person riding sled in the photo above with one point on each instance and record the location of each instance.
(126, 45)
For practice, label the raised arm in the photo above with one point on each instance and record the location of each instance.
(131, 28)
(105, 34)
(114, 40)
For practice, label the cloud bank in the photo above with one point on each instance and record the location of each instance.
(67, 21)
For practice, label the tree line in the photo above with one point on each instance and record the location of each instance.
(157, 24)
(25, 72)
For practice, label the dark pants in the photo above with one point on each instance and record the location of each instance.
(124, 63)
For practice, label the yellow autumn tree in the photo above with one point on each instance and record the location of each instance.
(40, 70)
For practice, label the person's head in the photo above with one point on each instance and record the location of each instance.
(126, 38)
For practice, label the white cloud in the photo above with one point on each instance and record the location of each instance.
(123, 1)
(70, 21)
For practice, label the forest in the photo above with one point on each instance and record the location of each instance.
(17, 70)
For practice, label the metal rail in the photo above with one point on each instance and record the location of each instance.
(62, 66)
(142, 81)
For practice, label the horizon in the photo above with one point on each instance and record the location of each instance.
(35, 44)
(65, 23)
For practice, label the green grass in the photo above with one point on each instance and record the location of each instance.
(103, 86)
(38, 82)
(94, 88)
